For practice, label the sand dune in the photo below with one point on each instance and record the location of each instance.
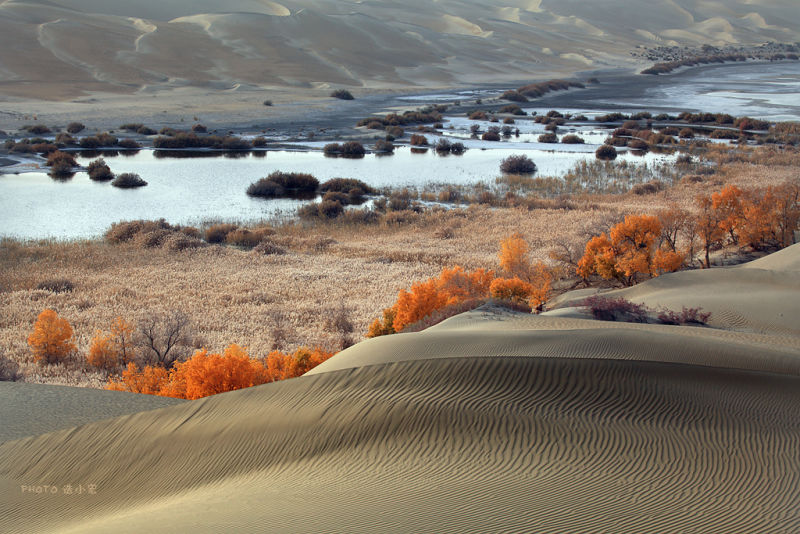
(491, 421)
(68, 48)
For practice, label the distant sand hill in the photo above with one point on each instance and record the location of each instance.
(489, 422)
(61, 49)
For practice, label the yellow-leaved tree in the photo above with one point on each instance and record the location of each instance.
(51, 338)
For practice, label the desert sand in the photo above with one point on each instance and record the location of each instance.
(85, 59)
(487, 422)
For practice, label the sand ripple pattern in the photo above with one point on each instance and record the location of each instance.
(447, 445)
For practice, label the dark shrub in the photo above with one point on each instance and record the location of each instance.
(131, 126)
(511, 108)
(345, 185)
(686, 316)
(56, 286)
(308, 211)
(144, 130)
(106, 139)
(384, 147)
(443, 146)
(128, 180)
(61, 168)
(638, 144)
(395, 131)
(259, 142)
(518, 164)
(606, 152)
(36, 129)
(491, 135)
(129, 144)
(265, 188)
(90, 142)
(335, 196)
(199, 128)
(572, 139)
(352, 149)
(508, 120)
(234, 143)
(75, 127)
(724, 134)
(419, 140)
(178, 242)
(478, 116)
(279, 183)
(267, 103)
(342, 94)
(670, 130)
(619, 309)
(217, 233)
(513, 96)
(457, 148)
(63, 138)
(330, 209)
(686, 133)
(61, 157)
(548, 138)
(242, 237)
(332, 149)
(648, 188)
(551, 127)
(612, 117)
(44, 148)
(100, 171)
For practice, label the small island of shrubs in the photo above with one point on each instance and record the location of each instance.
(128, 180)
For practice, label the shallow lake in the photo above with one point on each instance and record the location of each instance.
(188, 190)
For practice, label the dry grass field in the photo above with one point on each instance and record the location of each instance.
(332, 274)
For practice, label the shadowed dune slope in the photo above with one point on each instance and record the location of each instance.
(30, 409)
(457, 444)
(61, 49)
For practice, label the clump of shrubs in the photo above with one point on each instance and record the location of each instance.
(491, 135)
(478, 116)
(342, 94)
(283, 184)
(130, 144)
(60, 285)
(536, 90)
(623, 310)
(606, 152)
(513, 96)
(648, 188)
(217, 233)
(100, 171)
(549, 137)
(57, 157)
(418, 140)
(518, 164)
(199, 128)
(128, 180)
(512, 108)
(350, 149)
(383, 146)
(75, 127)
(572, 139)
(36, 129)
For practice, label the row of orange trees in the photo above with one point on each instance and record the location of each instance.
(639, 247)
(52, 341)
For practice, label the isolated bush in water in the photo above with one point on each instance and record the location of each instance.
(518, 164)
(548, 138)
(342, 94)
(606, 152)
(280, 183)
(128, 180)
(572, 139)
(99, 170)
(345, 185)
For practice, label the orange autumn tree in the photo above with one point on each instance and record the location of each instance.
(207, 374)
(451, 287)
(51, 338)
(630, 249)
(109, 351)
(537, 278)
(512, 289)
(728, 205)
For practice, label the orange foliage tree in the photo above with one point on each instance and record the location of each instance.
(707, 226)
(512, 289)
(514, 260)
(207, 374)
(629, 249)
(109, 351)
(727, 204)
(51, 338)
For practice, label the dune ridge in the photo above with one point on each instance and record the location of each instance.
(463, 443)
(69, 48)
